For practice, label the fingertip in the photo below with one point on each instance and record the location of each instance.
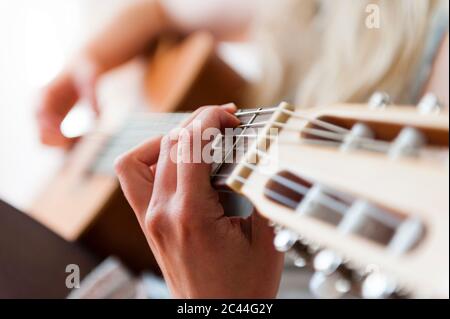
(230, 107)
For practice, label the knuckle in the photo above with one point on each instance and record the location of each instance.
(122, 164)
(186, 136)
(212, 111)
(155, 221)
(166, 143)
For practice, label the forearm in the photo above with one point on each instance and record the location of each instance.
(127, 35)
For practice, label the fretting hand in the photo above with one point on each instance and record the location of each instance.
(202, 253)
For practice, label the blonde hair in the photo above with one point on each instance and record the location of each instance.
(318, 52)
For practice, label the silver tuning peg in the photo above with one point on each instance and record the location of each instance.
(301, 254)
(358, 132)
(284, 240)
(326, 262)
(379, 100)
(429, 104)
(332, 286)
(408, 143)
(377, 285)
(329, 282)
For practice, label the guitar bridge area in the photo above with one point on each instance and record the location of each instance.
(397, 233)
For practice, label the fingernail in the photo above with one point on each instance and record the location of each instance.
(229, 107)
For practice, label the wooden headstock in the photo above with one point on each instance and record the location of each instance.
(358, 193)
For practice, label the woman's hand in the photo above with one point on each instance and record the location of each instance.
(58, 98)
(201, 252)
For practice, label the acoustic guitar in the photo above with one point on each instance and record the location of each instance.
(357, 193)
(83, 202)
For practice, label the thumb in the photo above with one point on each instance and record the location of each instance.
(262, 233)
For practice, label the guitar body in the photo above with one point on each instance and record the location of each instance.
(87, 206)
(183, 76)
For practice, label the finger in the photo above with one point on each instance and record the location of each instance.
(147, 152)
(230, 108)
(136, 177)
(166, 167)
(192, 166)
(262, 233)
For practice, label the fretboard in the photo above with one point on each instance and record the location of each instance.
(142, 126)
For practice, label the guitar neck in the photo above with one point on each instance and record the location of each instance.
(142, 126)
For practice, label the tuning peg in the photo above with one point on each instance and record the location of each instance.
(379, 100)
(409, 141)
(332, 286)
(353, 139)
(301, 254)
(311, 202)
(284, 240)
(407, 235)
(376, 285)
(330, 280)
(429, 104)
(326, 262)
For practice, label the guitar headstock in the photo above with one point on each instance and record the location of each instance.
(358, 192)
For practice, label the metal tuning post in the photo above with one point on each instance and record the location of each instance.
(300, 252)
(408, 143)
(284, 240)
(311, 202)
(377, 285)
(407, 235)
(379, 100)
(353, 140)
(331, 279)
(355, 217)
(429, 104)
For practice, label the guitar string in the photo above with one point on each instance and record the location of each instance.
(336, 135)
(335, 132)
(321, 123)
(327, 200)
(367, 142)
(340, 132)
(377, 146)
(323, 199)
(381, 147)
(331, 202)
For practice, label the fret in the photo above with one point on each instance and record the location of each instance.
(227, 165)
(142, 126)
(256, 111)
(241, 145)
